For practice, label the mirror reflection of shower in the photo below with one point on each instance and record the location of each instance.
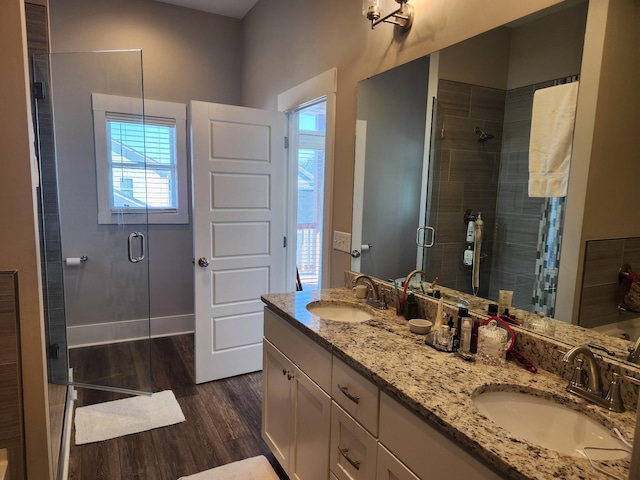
(482, 136)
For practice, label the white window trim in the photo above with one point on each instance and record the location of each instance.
(101, 104)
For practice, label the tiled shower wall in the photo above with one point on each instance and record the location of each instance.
(491, 178)
(465, 176)
(601, 292)
(50, 247)
(518, 215)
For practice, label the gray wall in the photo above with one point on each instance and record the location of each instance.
(287, 43)
(393, 104)
(187, 55)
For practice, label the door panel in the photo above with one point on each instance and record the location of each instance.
(238, 191)
(105, 294)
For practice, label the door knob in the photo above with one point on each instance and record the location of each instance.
(203, 262)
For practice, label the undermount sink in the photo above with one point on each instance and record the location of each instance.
(549, 424)
(339, 312)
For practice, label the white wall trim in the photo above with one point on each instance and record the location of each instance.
(128, 330)
(316, 87)
(323, 85)
(358, 190)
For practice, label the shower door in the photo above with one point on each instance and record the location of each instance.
(94, 177)
(429, 252)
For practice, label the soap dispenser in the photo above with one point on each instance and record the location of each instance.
(411, 307)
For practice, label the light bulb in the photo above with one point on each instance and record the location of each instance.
(371, 9)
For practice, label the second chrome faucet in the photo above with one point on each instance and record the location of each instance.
(591, 388)
(373, 298)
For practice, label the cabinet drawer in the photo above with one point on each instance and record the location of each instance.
(423, 449)
(355, 394)
(390, 468)
(312, 359)
(353, 449)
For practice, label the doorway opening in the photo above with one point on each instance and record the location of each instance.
(308, 127)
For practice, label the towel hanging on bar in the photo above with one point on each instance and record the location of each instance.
(551, 139)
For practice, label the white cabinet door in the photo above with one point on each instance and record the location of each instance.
(353, 449)
(311, 430)
(276, 404)
(390, 468)
(296, 418)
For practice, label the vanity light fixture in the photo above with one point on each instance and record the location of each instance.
(402, 18)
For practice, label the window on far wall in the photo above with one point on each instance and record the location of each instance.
(141, 160)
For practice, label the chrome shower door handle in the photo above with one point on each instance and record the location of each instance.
(133, 235)
(433, 237)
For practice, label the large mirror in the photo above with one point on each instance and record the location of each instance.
(444, 140)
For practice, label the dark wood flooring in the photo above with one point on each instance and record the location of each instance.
(223, 421)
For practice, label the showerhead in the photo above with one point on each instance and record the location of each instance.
(482, 136)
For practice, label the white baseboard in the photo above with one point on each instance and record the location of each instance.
(128, 330)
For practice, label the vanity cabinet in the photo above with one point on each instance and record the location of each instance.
(296, 412)
(354, 433)
(424, 450)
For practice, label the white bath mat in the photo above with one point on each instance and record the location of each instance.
(254, 468)
(104, 421)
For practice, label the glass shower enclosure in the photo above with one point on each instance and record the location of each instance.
(96, 272)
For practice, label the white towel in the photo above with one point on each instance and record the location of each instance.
(554, 112)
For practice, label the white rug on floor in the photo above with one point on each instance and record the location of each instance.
(104, 421)
(254, 468)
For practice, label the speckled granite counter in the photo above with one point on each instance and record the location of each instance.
(439, 387)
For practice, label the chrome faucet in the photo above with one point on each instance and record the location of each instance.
(591, 389)
(412, 274)
(373, 298)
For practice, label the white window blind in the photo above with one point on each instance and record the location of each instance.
(142, 162)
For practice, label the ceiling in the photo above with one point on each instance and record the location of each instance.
(227, 8)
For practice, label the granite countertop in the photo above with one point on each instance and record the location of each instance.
(439, 387)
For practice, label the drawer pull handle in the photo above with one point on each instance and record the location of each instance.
(345, 391)
(354, 463)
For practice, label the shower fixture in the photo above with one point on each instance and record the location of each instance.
(482, 136)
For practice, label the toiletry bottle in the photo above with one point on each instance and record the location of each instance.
(468, 256)
(509, 318)
(474, 335)
(492, 310)
(411, 307)
(465, 341)
(462, 312)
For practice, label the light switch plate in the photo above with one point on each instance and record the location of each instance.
(341, 241)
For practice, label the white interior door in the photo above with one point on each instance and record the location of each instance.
(238, 166)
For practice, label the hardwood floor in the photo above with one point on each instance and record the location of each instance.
(223, 421)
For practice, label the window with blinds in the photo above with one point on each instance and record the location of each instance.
(142, 163)
(141, 160)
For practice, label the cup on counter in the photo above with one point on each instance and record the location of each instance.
(492, 344)
(360, 291)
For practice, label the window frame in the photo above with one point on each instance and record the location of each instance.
(102, 106)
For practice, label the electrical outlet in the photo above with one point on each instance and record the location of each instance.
(341, 241)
